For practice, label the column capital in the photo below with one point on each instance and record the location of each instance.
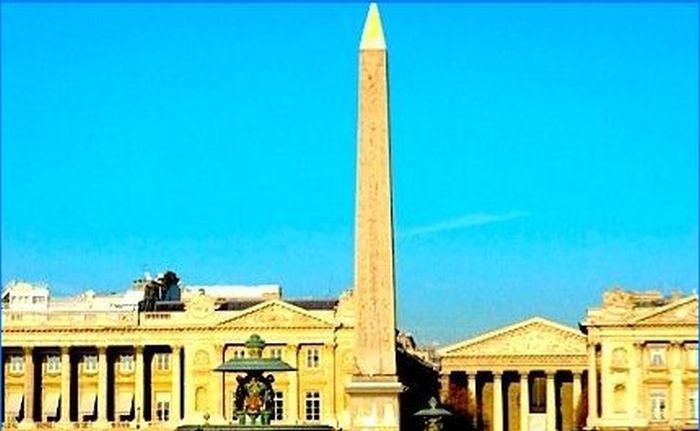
(27, 350)
(497, 374)
(577, 373)
(139, 348)
(65, 350)
(176, 348)
(102, 349)
(524, 373)
(550, 373)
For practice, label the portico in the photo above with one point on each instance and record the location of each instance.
(527, 376)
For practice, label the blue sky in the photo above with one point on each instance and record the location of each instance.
(541, 153)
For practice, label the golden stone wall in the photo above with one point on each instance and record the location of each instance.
(203, 338)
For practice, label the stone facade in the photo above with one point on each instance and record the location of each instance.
(122, 368)
(633, 365)
(642, 355)
(526, 376)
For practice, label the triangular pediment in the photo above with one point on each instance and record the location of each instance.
(277, 314)
(683, 311)
(536, 336)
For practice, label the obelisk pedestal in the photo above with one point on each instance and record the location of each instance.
(374, 390)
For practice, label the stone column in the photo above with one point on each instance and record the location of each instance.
(636, 385)
(497, 401)
(328, 361)
(217, 413)
(576, 397)
(606, 387)
(551, 402)
(65, 385)
(676, 370)
(175, 410)
(444, 388)
(472, 401)
(102, 384)
(28, 386)
(592, 387)
(524, 401)
(138, 384)
(293, 408)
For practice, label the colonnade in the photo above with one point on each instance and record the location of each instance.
(476, 379)
(70, 385)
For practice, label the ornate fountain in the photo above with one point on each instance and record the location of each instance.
(254, 394)
(254, 401)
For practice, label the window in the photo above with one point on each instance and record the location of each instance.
(278, 412)
(313, 406)
(693, 404)
(53, 364)
(658, 405)
(163, 407)
(126, 363)
(90, 363)
(16, 364)
(276, 352)
(657, 356)
(162, 361)
(239, 353)
(313, 357)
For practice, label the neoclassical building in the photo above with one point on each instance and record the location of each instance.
(643, 361)
(127, 367)
(98, 362)
(526, 376)
(147, 358)
(631, 365)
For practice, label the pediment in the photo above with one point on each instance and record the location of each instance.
(683, 311)
(536, 336)
(276, 314)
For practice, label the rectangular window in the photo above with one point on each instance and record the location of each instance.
(126, 363)
(53, 364)
(239, 353)
(313, 357)
(658, 405)
(163, 411)
(657, 356)
(276, 352)
(162, 361)
(90, 363)
(16, 364)
(278, 413)
(693, 404)
(313, 406)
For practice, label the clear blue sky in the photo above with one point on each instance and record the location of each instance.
(541, 153)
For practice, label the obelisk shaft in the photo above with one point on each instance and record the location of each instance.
(374, 240)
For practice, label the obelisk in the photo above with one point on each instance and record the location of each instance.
(375, 387)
